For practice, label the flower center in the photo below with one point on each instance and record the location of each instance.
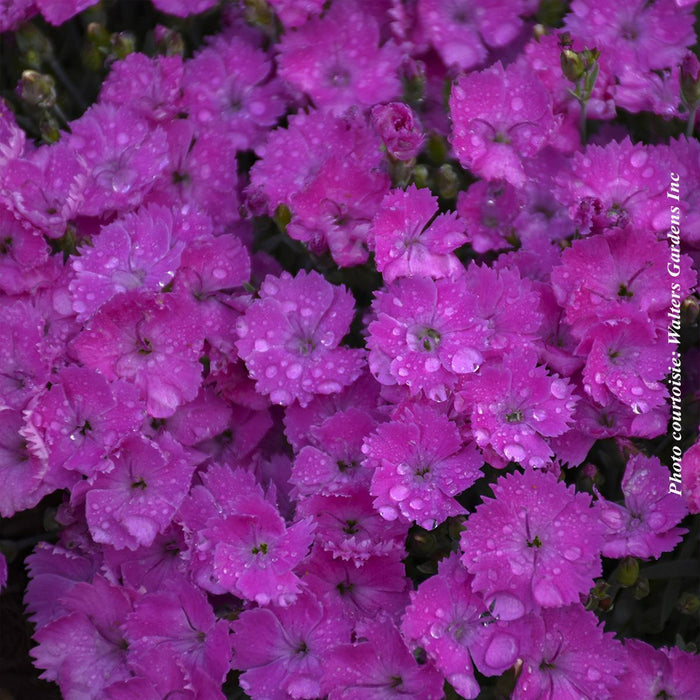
(514, 416)
(429, 339)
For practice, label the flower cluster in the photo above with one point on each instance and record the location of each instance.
(345, 354)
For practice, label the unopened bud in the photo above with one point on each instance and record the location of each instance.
(37, 89)
(690, 310)
(169, 42)
(34, 46)
(122, 44)
(282, 217)
(421, 176)
(447, 181)
(98, 35)
(688, 603)
(641, 588)
(627, 572)
(49, 128)
(572, 65)
(690, 80)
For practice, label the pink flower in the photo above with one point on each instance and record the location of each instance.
(462, 31)
(691, 477)
(500, 117)
(123, 157)
(646, 525)
(238, 541)
(175, 640)
(289, 338)
(410, 238)
(420, 464)
(425, 335)
(350, 528)
(133, 502)
(536, 544)
(184, 8)
(290, 649)
(516, 405)
(378, 667)
(654, 673)
(337, 60)
(152, 340)
(293, 13)
(574, 658)
(84, 650)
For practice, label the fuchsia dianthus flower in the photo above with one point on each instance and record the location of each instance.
(500, 117)
(646, 526)
(420, 463)
(410, 237)
(289, 338)
(426, 334)
(535, 545)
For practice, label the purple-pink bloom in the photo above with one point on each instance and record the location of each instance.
(652, 673)
(500, 117)
(646, 525)
(350, 528)
(184, 8)
(334, 461)
(229, 85)
(399, 128)
(574, 659)
(690, 473)
(175, 640)
(515, 405)
(425, 335)
(238, 541)
(123, 156)
(134, 501)
(294, 13)
(535, 544)
(463, 31)
(140, 250)
(288, 654)
(453, 625)
(410, 237)
(289, 338)
(80, 419)
(151, 339)
(338, 62)
(84, 650)
(419, 464)
(378, 666)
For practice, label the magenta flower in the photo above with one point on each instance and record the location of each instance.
(425, 335)
(378, 667)
(289, 338)
(537, 543)
(294, 13)
(646, 525)
(462, 31)
(628, 361)
(84, 650)
(152, 340)
(133, 502)
(350, 528)
(652, 673)
(420, 464)
(453, 625)
(410, 238)
(227, 85)
(175, 640)
(334, 462)
(338, 62)
(516, 405)
(691, 477)
(500, 117)
(238, 541)
(77, 422)
(290, 649)
(123, 156)
(574, 659)
(140, 250)
(353, 592)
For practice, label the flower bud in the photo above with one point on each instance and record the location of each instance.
(122, 44)
(627, 572)
(690, 310)
(641, 588)
(169, 42)
(37, 89)
(34, 46)
(572, 65)
(447, 181)
(398, 127)
(688, 603)
(690, 80)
